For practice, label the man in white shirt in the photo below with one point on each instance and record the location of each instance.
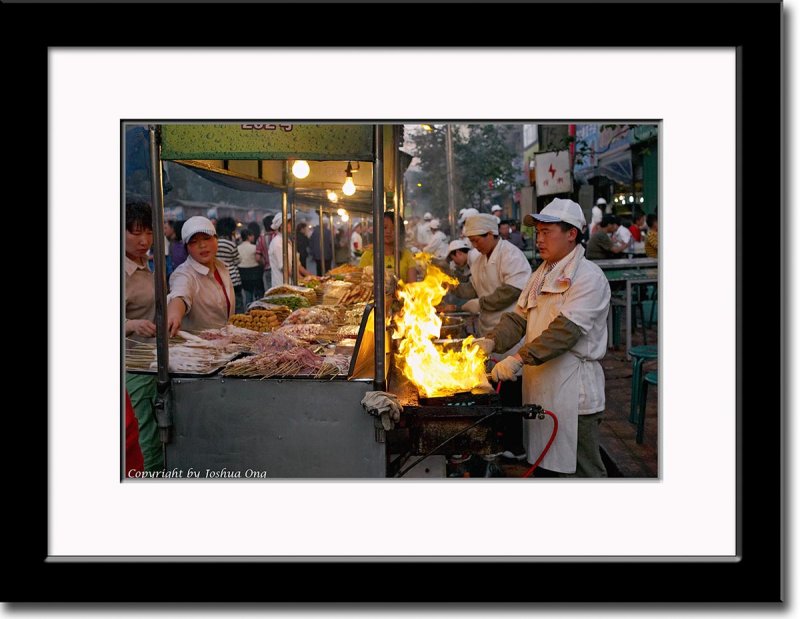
(562, 313)
(356, 244)
(424, 233)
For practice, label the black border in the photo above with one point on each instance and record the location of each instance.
(755, 29)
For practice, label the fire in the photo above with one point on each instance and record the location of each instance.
(433, 371)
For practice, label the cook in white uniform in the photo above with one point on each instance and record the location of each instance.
(437, 246)
(562, 312)
(497, 276)
(424, 233)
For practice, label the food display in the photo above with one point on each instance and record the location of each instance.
(297, 361)
(287, 290)
(261, 319)
(188, 354)
(292, 301)
(360, 293)
(320, 315)
(305, 331)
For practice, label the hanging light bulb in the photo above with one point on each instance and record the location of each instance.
(341, 212)
(349, 187)
(300, 168)
(345, 217)
(332, 196)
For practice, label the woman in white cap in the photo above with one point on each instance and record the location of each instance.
(201, 293)
(276, 252)
(562, 314)
(498, 275)
(437, 246)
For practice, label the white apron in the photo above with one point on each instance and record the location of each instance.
(572, 384)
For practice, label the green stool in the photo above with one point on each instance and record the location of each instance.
(639, 354)
(651, 378)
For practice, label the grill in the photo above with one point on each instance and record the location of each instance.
(428, 422)
(464, 398)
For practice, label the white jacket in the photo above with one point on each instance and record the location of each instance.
(506, 265)
(573, 383)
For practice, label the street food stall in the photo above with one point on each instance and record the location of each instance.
(277, 393)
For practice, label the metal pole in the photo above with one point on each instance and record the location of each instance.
(163, 408)
(451, 198)
(377, 261)
(333, 241)
(294, 233)
(284, 226)
(321, 242)
(397, 216)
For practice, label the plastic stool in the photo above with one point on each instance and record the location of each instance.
(639, 354)
(651, 378)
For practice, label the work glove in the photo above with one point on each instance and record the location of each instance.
(383, 404)
(473, 305)
(507, 369)
(485, 344)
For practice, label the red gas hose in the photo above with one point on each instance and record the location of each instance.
(530, 471)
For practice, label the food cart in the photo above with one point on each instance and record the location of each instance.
(279, 427)
(217, 422)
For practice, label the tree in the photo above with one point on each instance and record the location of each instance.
(484, 165)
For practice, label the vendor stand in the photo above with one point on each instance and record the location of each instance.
(277, 427)
(237, 420)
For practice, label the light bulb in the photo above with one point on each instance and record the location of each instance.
(349, 187)
(332, 196)
(300, 168)
(341, 212)
(345, 217)
(641, 199)
(630, 198)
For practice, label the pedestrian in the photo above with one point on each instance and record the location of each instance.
(515, 238)
(322, 255)
(562, 314)
(651, 240)
(249, 269)
(497, 210)
(229, 255)
(262, 251)
(356, 242)
(279, 275)
(600, 245)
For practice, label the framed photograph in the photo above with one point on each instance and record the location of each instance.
(708, 529)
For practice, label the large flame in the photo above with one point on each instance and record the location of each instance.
(433, 371)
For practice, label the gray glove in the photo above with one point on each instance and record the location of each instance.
(383, 404)
(473, 306)
(485, 344)
(507, 369)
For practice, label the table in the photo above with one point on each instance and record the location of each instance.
(631, 277)
(626, 264)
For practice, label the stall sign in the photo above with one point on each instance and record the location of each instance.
(267, 140)
(553, 173)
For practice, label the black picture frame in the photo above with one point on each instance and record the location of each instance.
(755, 576)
